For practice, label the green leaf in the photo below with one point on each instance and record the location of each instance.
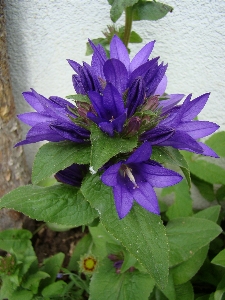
(220, 193)
(188, 235)
(21, 295)
(118, 6)
(54, 289)
(79, 97)
(33, 280)
(184, 291)
(187, 269)
(81, 248)
(135, 37)
(100, 239)
(210, 213)
(140, 232)
(16, 240)
(220, 290)
(207, 171)
(150, 10)
(62, 204)
(169, 290)
(53, 157)
(182, 205)
(219, 259)
(51, 266)
(171, 156)
(217, 143)
(205, 188)
(105, 147)
(125, 286)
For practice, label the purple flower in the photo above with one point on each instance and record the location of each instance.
(119, 71)
(110, 112)
(73, 175)
(51, 120)
(134, 179)
(179, 130)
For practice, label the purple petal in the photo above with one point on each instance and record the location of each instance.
(146, 197)
(141, 154)
(159, 176)
(61, 102)
(107, 127)
(77, 84)
(41, 132)
(158, 134)
(112, 101)
(176, 114)
(142, 56)
(161, 88)
(31, 98)
(97, 102)
(153, 78)
(119, 122)
(123, 200)
(77, 67)
(88, 79)
(98, 59)
(109, 177)
(195, 107)
(72, 175)
(71, 132)
(198, 129)
(143, 69)
(135, 97)
(34, 118)
(183, 141)
(116, 73)
(119, 51)
(207, 151)
(166, 105)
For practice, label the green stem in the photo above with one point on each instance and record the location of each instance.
(128, 25)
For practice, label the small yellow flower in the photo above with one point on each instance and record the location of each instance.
(88, 264)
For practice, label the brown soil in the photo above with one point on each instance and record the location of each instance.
(47, 242)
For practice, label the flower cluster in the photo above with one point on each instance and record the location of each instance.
(124, 98)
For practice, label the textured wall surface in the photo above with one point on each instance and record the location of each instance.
(43, 34)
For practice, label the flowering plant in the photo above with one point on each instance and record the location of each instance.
(108, 151)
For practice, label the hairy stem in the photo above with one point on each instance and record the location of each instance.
(128, 25)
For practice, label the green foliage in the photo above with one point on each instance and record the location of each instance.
(118, 6)
(61, 204)
(219, 259)
(217, 143)
(142, 233)
(28, 280)
(124, 286)
(182, 205)
(171, 157)
(137, 257)
(104, 147)
(150, 10)
(191, 234)
(53, 157)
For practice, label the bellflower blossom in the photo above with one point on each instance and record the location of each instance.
(72, 175)
(110, 110)
(134, 179)
(51, 120)
(122, 73)
(184, 130)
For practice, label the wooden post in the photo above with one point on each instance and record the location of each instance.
(13, 168)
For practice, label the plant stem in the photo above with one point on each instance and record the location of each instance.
(128, 25)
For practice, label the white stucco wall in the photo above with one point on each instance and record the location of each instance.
(42, 34)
